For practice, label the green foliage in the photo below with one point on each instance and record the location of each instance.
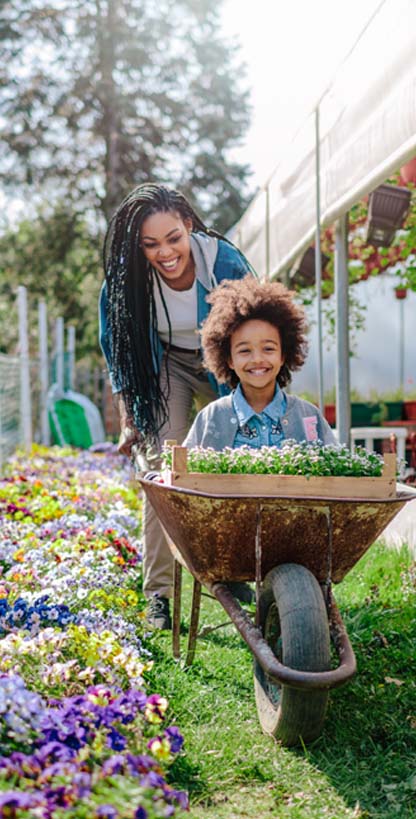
(57, 257)
(291, 459)
(119, 92)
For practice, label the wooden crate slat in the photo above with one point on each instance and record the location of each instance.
(282, 485)
(285, 485)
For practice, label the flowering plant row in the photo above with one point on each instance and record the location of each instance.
(291, 459)
(80, 736)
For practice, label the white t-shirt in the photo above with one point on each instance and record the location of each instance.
(182, 307)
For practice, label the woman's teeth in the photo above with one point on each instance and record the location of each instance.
(170, 265)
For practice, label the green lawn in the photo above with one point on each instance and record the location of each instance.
(363, 765)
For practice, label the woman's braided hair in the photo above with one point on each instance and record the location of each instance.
(131, 304)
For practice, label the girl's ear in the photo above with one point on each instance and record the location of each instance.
(188, 224)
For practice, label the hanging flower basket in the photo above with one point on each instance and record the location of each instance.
(387, 209)
(400, 292)
(304, 273)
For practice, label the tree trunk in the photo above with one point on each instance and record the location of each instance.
(106, 56)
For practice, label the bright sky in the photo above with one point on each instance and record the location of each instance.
(292, 49)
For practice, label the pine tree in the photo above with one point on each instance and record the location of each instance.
(100, 95)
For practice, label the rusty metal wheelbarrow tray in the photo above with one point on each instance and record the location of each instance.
(217, 538)
(216, 535)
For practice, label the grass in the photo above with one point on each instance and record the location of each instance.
(364, 763)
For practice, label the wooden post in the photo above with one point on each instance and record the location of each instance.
(45, 434)
(389, 466)
(179, 459)
(59, 352)
(25, 397)
(71, 357)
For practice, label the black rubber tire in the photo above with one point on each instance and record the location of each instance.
(294, 622)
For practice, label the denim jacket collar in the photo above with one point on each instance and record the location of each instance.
(244, 412)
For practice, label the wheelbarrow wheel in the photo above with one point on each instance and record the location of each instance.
(294, 622)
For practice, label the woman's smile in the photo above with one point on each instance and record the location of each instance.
(166, 243)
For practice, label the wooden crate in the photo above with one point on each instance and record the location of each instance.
(291, 486)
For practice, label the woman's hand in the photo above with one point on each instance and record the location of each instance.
(130, 435)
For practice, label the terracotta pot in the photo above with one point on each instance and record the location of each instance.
(410, 411)
(330, 414)
(408, 171)
(400, 292)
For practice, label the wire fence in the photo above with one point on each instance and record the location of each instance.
(31, 379)
(10, 411)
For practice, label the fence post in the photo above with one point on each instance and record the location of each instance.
(71, 356)
(43, 374)
(25, 399)
(59, 352)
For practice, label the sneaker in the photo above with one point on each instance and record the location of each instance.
(242, 591)
(158, 614)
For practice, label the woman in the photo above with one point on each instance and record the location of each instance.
(160, 263)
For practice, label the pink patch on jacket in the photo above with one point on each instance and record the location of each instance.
(309, 424)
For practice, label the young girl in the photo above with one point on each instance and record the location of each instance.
(161, 262)
(253, 339)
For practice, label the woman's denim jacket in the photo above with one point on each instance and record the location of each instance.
(229, 264)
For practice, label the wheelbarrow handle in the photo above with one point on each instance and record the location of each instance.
(282, 674)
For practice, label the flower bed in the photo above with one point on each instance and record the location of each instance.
(80, 736)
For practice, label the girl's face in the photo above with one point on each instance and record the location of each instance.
(256, 355)
(165, 240)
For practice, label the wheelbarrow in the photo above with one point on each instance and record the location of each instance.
(294, 548)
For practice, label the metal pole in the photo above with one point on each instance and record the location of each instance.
(59, 352)
(401, 345)
(342, 375)
(71, 356)
(318, 262)
(25, 397)
(43, 373)
(267, 232)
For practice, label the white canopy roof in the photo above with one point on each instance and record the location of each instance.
(367, 130)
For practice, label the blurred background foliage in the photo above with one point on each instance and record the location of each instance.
(96, 97)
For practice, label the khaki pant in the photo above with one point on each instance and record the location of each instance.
(188, 380)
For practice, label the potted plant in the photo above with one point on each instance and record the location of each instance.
(305, 270)
(409, 409)
(388, 206)
(330, 413)
(400, 292)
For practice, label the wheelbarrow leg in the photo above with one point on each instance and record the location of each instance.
(193, 628)
(177, 595)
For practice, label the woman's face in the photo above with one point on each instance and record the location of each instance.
(166, 244)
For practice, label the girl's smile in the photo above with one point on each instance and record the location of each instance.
(256, 358)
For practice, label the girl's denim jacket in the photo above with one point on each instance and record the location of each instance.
(216, 425)
(228, 263)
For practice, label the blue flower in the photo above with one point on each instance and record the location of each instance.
(116, 741)
(175, 738)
